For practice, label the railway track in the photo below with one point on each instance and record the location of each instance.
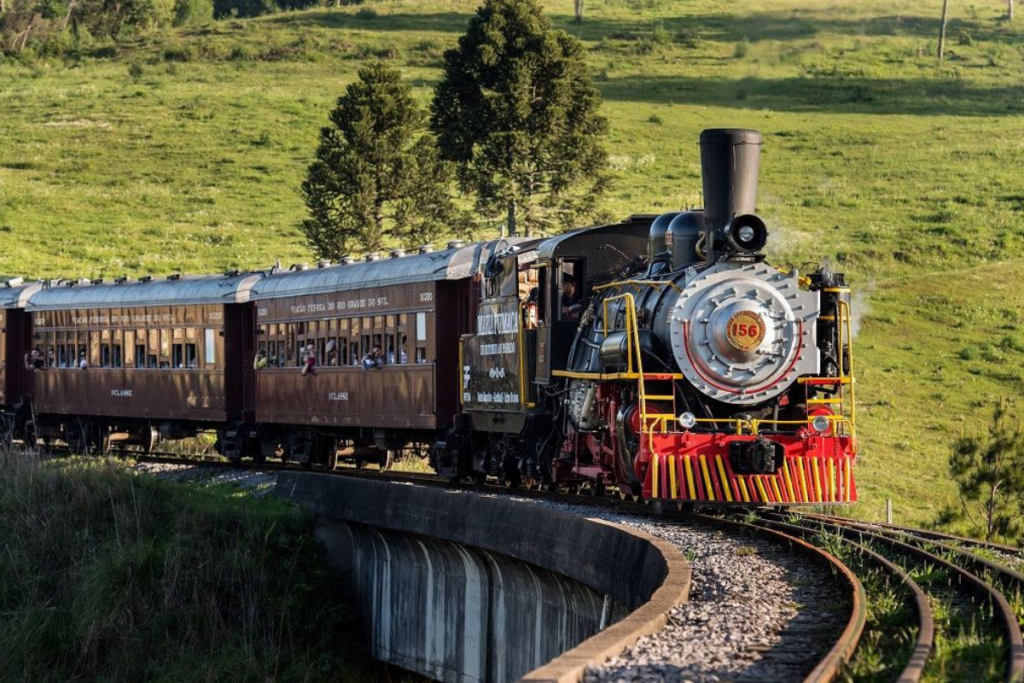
(978, 601)
(953, 592)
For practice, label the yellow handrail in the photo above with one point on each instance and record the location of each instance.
(639, 283)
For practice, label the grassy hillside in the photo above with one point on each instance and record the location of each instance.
(109, 576)
(184, 151)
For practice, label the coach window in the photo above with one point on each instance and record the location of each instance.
(343, 340)
(47, 348)
(421, 337)
(378, 335)
(61, 360)
(140, 349)
(210, 341)
(70, 351)
(104, 348)
(116, 359)
(390, 350)
(191, 355)
(366, 334)
(354, 357)
(130, 357)
(403, 338)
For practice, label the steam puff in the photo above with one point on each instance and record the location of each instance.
(859, 306)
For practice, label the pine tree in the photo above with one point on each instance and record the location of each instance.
(516, 112)
(377, 178)
(989, 474)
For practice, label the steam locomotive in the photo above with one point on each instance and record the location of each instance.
(660, 357)
(698, 373)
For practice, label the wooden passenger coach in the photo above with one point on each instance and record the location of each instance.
(413, 307)
(139, 357)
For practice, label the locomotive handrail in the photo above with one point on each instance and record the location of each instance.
(633, 340)
(753, 426)
(638, 283)
(608, 376)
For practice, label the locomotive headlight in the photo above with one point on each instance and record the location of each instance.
(820, 423)
(687, 420)
(746, 234)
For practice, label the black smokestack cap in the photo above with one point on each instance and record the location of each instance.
(729, 160)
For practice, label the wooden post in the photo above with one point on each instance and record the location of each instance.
(1009, 10)
(942, 29)
(888, 510)
(578, 7)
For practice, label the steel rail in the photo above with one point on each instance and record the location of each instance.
(924, 643)
(978, 565)
(930, 534)
(1004, 615)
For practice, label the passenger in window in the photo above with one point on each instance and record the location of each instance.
(530, 310)
(570, 299)
(309, 361)
(261, 360)
(332, 354)
(83, 361)
(34, 360)
(51, 359)
(372, 359)
(403, 357)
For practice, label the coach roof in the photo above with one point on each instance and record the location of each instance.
(451, 264)
(173, 291)
(15, 296)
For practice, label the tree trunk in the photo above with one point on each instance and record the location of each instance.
(512, 218)
(1009, 9)
(942, 29)
(579, 10)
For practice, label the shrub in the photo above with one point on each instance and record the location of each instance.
(188, 12)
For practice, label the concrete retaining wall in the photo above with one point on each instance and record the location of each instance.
(455, 613)
(490, 568)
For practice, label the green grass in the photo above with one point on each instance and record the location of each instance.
(184, 151)
(109, 576)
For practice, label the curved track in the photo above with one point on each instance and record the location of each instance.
(978, 585)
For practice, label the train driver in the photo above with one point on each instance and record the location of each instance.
(570, 299)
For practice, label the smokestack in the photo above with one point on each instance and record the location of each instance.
(729, 160)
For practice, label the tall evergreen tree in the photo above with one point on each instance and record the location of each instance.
(377, 177)
(517, 113)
